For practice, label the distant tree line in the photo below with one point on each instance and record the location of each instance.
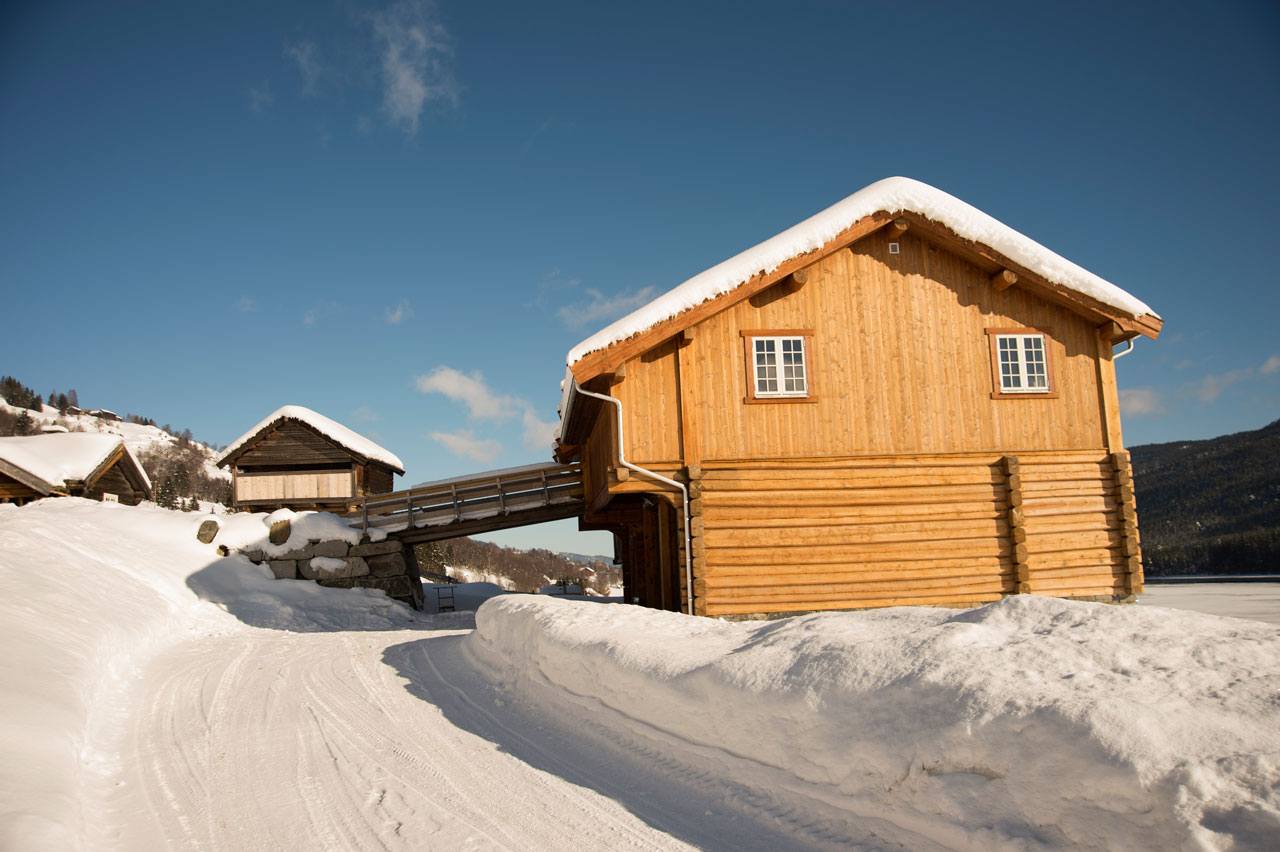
(528, 570)
(1210, 507)
(179, 477)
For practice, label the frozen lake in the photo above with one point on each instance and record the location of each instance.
(1259, 601)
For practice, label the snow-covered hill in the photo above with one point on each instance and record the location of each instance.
(157, 696)
(137, 437)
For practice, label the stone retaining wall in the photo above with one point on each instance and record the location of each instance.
(388, 566)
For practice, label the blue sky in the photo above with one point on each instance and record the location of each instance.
(404, 214)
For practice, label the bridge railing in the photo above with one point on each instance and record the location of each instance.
(473, 498)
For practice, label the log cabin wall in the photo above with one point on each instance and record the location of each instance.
(291, 444)
(793, 535)
(13, 491)
(113, 481)
(902, 480)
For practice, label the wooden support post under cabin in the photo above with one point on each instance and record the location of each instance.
(697, 543)
(1017, 525)
(1004, 279)
(793, 282)
(1127, 515)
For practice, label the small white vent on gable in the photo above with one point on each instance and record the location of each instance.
(894, 249)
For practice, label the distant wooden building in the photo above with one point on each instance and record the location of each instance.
(897, 401)
(76, 464)
(299, 459)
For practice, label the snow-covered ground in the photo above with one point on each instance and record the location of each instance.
(1258, 601)
(156, 696)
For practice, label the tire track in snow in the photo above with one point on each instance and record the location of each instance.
(267, 740)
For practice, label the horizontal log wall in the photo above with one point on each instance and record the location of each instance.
(1077, 541)
(813, 534)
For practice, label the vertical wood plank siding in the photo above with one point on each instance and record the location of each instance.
(900, 363)
(320, 485)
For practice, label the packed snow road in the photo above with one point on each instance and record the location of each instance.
(262, 740)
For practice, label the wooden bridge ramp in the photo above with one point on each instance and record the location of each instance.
(477, 503)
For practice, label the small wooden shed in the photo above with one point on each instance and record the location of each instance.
(76, 464)
(897, 401)
(299, 459)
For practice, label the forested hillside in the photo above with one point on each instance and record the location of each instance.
(1210, 507)
(524, 570)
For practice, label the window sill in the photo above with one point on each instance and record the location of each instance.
(1028, 395)
(757, 400)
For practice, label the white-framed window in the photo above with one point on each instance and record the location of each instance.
(1020, 363)
(1023, 367)
(779, 365)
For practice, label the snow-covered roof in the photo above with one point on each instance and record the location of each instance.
(56, 458)
(331, 429)
(891, 195)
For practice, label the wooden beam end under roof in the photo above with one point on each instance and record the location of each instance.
(1004, 279)
(796, 280)
(896, 229)
(618, 374)
(686, 337)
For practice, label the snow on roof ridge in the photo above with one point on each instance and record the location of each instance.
(332, 429)
(891, 195)
(58, 457)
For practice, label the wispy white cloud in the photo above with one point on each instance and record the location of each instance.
(245, 305)
(1211, 387)
(316, 312)
(260, 97)
(600, 308)
(415, 53)
(365, 414)
(538, 434)
(306, 55)
(482, 403)
(1140, 401)
(464, 444)
(1270, 366)
(400, 313)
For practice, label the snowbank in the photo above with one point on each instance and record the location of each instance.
(250, 530)
(1032, 723)
(87, 591)
(891, 195)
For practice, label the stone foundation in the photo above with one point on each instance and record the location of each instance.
(388, 566)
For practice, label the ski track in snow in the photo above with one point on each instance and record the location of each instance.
(343, 754)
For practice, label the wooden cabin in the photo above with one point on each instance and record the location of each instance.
(78, 464)
(299, 459)
(898, 401)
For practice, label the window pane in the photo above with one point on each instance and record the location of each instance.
(1033, 360)
(1010, 374)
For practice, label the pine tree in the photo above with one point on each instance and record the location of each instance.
(72, 398)
(26, 424)
(62, 403)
